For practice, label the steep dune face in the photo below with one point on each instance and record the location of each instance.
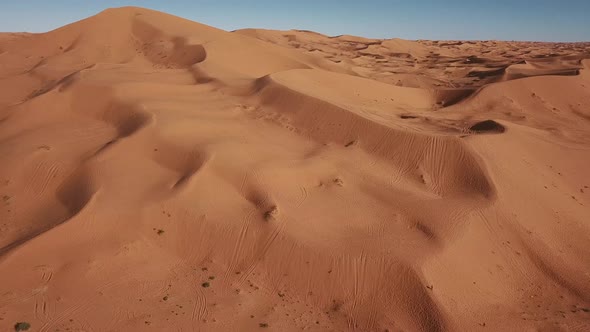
(160, 174)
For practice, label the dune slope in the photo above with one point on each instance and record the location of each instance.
(159, 174)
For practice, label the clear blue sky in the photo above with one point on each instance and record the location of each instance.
(546, 20)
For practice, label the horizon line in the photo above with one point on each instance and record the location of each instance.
(304, 30)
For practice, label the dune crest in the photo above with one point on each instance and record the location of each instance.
(161, 174)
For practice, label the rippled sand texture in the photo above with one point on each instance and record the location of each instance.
(157, 174)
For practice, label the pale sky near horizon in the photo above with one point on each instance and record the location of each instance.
(539, 20)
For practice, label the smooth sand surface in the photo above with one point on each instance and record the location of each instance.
(157, 174)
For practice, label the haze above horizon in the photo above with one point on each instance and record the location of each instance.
(540, 20)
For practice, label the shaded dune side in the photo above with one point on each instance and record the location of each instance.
(183, 161)
(162, 49)
(370, 293)
(65, 200)
(529, 70)
(70, 198)
(125, 119)
(554, 271)
(448, 166)
(487, 126)
(549, 66)
(530, 101)
(564, 276)
(448, 97)
(111, 37)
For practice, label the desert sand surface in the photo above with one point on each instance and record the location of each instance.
(157, 174)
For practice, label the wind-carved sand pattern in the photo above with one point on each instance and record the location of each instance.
(158, 174)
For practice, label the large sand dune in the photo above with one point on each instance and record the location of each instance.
(158, 174)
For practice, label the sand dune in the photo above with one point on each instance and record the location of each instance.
(427, 64)
(159, 174)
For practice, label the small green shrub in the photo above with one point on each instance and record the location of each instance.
(22, 326)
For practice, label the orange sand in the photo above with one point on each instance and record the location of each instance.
(157, 174)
